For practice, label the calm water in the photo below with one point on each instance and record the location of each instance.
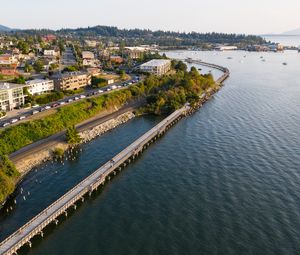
(286, 40)
(223, 181)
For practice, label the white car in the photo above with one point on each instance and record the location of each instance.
(22, 117)
(13, 121)
(108, 90)
(76, 98)
(62, 103)
(6, 124)
(100, 91)
(82, 96)
(34, 112)
(47, 107)
(70, 100)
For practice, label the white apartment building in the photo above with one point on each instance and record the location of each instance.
(39, 86)
(156, 66)
(11, 96)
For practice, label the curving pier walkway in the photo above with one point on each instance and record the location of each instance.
(48, 216)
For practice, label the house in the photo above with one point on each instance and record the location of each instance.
(135, 52)
(51, 53)
(91, 43)
(156, 66)
(39, 86)
(11, 96)
(71, 80)
(116, 59)
(49, 38)
(8, 64)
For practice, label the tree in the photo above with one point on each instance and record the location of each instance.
(19, 80)
(38, 66)
(28, 68)
(72, 135)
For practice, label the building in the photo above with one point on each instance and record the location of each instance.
(225, 47)
(156, 66)
(135, 52)
(11, 96)
(49, 38)
(51, 53)
(39, 86)
(116, 59)
(91, 43)
(71, 80)
(88, 55)
(8, 64)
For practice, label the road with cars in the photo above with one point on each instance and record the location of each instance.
(27, 114)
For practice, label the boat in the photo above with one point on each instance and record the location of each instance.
(229, 58)
(284, 63)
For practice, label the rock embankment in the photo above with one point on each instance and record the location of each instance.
(29, 162)
(88, 135)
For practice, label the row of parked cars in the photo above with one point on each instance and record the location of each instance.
(97, 92)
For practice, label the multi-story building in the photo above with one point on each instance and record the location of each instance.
(71, 80)
(156, 66)
(39, 86)
(11, 96)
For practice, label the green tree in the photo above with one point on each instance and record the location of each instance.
(19, 80)
(38, 66)
(72, 135)
(28, 68)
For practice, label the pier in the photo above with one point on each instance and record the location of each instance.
(49, 216)
(68, 201)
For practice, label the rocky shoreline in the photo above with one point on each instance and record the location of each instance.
(26, 164)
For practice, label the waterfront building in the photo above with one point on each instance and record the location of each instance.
(71, 80)
(225, 47)
(11, 96)
(156, 66)
(39, 86)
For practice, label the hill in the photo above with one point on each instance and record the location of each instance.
(292, 32)
(4, 28)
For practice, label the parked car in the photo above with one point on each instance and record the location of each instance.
(6, 124)
(82, 96)
(13, 121)
(70, 100)
(47, 107)
(55, 105)
(62, 103)
(22, 117)
(34, 112)
(100, 91)
(76, 98)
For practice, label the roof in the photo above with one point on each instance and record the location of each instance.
(6, 86)
(156, 62)
(36, 81)
(68, 74)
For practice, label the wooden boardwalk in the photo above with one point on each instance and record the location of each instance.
(35, 226)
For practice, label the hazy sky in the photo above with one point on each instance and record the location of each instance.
(240, 16)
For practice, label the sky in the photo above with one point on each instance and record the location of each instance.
(229, 16)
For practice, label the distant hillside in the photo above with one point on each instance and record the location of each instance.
(4, 28)
(292, 32)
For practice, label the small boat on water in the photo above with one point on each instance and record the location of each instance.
(284, 63)
(229, 57)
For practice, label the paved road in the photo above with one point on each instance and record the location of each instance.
(27, 113)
